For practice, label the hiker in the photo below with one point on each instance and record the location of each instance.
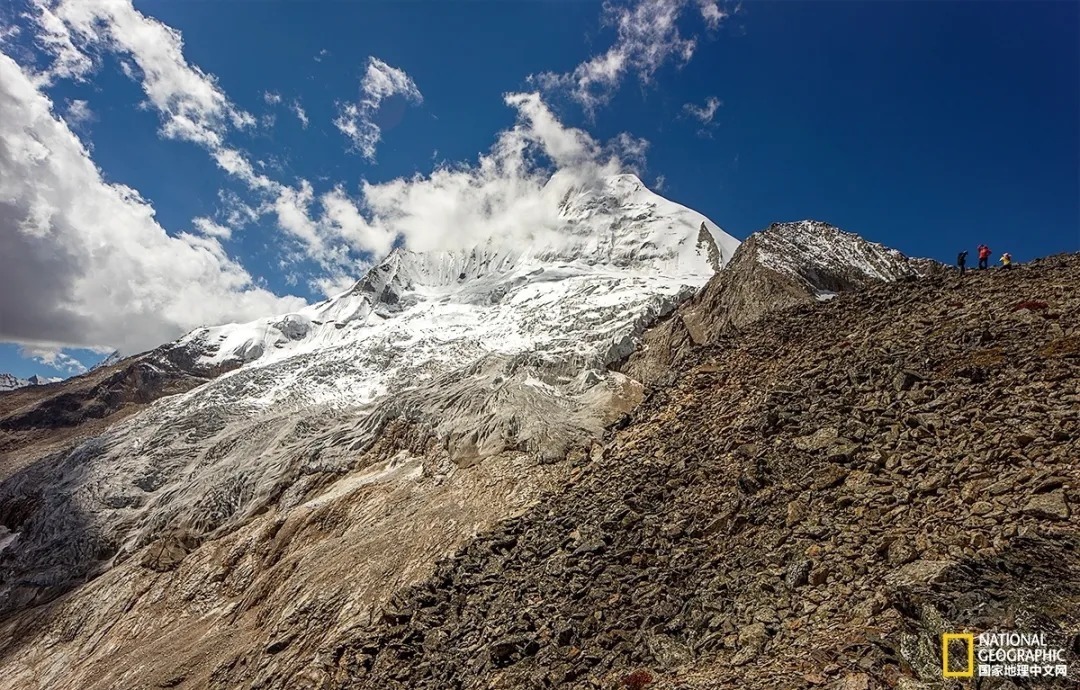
(1006, 261)
(961, 261)
(984, 257)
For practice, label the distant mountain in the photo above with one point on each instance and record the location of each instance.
(9, 382)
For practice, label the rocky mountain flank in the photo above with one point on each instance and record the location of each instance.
(782, 266)
(809, 504)
(56, 416)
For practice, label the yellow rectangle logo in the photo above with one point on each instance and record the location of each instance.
(946, 638)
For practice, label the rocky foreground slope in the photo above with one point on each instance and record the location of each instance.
(810, 504)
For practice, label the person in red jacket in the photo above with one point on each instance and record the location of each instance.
(984, 256)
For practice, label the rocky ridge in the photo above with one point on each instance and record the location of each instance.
(56, 416)
(809, 504)
(784, 265)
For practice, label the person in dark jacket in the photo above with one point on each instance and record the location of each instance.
(984, 257)
(961, 261)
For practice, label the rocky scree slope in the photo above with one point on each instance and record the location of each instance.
(784, 265)
(808, 505)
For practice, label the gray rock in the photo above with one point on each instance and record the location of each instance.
(1051, 506)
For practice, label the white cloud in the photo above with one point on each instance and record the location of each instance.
(191, 104)
(712, 12)
(78, 112)
(236, 211)
(321, 55)
(301, 114)
(8, 32)
(508, 193)
(291, 206)
(52, 34)
(514, 191)
(271, 97)
(647, 37)
(660, 183)
(54, 358)
(380, 81)
(342, 217)
(703, 113)
(86, 264)
(211, 229)
(236, 163)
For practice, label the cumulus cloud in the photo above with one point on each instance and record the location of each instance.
(647, 37)
(513, 191)
(210, 228)
(271, 97)
(703, 113)
(78, 112)
(69, 62)
(86, 264)
(712, 12)
(356, 120)
(9, 32)
(191, 103)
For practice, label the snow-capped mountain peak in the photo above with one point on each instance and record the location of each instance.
(619, 229)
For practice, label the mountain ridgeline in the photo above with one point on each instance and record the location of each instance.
(630, 444)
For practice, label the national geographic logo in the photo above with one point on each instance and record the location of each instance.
(1003, 655)
(959, 665)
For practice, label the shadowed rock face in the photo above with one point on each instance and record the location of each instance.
(785, 265)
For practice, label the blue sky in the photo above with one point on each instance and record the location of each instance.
(927, 126)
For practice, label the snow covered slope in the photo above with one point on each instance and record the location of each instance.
(497, 348)
(9, 382)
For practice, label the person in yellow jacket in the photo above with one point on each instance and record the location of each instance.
(1006, 260)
